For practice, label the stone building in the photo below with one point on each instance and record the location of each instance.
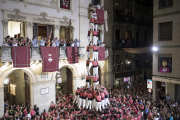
(36, 18)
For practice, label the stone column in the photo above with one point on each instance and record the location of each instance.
(5, 27)
(170, 89)
(154, 85)
(1, 102)
(102, 3)
(58, 6)
(29, 28)
(56, 31)
(102, 34)
(102, 78)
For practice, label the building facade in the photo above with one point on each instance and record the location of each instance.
(132, 35)
(166, 39)
(37, 18)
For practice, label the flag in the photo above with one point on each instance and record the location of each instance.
(48, 44)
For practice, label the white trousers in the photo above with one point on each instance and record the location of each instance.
(98, 106)
(107, 101)
(102, 103)
(96, 83)
(88, 55)
(89, 104)
(93, 103)
(94, 41)
(96, 27)
(95, 71)
(80, 102)
(84, 102)
(87, 84)
(95, 55)
(87, 68)
(88, 40)
(75, 99)
(92, 26)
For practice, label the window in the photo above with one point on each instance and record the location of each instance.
(95, 2)
(165, 63)
(65, 4)
(165, 3)
(165, 31)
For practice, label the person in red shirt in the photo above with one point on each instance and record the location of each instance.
(88, 55)
(95, 67)
(76, 96)
(88, 78)
(87, 65)
(95, 52)
(95, 80)
(102, 99)
(98, 100)
(96, 24)
(84, 98)
(89, 34)
(90, 98)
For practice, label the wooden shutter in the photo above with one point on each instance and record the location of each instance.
(22, 29)
(165, 31)
(35, 29)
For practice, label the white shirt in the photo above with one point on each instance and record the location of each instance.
(42, 43)
(29, 115)
(98, 7)
(53, 44)
(72, 44)
(155, 118)
(14, 44)
(167, 98)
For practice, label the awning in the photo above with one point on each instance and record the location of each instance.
(138, 50)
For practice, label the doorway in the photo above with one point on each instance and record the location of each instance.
(42, 30)
(17, 29)
(65, 33)
(17, 88)
(66, 86)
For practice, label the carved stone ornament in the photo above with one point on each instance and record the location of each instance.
(4, 22)
(65, 21)
(57, 27)
(16, 16)
(44, 19)
(29, 24)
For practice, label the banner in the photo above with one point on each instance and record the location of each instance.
(149, 83)
(72, 54)
(101, 53)
(21, 56)
(50, 59)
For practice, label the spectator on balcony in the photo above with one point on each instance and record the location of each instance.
(68, 43)
(53, 43)
(8, 41)
(34, 43)
(164, 63)
(36, 39)
(77, 42)
(102, 44)
(28, 42)
(169, 65)
(5, 44)
(57, 42)
(64, 42)
(42, 41)
(72, 43)
(22, 42)
(14, 42)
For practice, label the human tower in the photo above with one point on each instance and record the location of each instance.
(94, 96)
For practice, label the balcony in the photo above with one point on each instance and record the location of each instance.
(6, 54)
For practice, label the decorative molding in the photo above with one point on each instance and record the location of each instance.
(3, 1)
(57, 27)
(16, 16)
(29, 24)
(65, 21)
(4, 22)
(25, 3)
(44, 19)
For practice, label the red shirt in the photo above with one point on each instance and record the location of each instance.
(95, 33)
(87, 47)
(88, 77)
(95, 47)
(87, 63)
(81, 94)
(102, 95)
(95, 78)
(89, 95)
(89, 32)
(95, 63)
(85, 94)
(98, 98)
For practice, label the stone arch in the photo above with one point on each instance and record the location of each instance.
(10, 69)
(72, 68)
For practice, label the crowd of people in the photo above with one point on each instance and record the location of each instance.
(130, 101)
(65, 4)
(124, 43)
(25, 41)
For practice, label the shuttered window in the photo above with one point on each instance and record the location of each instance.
(165, 31)
(165, 3)
(95, 2)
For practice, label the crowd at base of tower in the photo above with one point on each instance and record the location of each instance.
(127, 102)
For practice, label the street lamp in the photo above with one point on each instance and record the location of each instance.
(155, 49)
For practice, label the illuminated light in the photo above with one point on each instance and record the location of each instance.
(155, 49)
(6, 81)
